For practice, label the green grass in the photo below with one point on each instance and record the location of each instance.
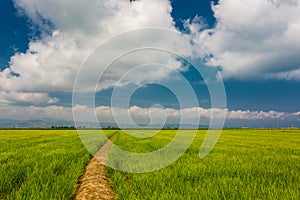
(42, 164)
(245, 164)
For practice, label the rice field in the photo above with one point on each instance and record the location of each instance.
(41, 164)
(245, 164)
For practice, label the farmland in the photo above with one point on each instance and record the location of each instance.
(41, 164)
(245, 164)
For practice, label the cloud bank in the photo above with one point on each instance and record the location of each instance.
(138, 114)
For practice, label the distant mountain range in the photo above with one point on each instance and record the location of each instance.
(48, 123)
(34, 123)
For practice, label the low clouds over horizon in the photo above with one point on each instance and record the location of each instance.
(139, 115)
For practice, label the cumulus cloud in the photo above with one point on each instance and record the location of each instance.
(256, 115)
(23, 97)
(76, 27)
(90, 22)
(251, 38)
(138, 114)
(35, 112)
(257, 38)
(48, 65)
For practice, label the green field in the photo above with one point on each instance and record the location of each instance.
(245, 164)
(41, 164)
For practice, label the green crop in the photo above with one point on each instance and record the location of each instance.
(41, 164)
(245, 164)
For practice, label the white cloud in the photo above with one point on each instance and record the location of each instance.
(48, 65)
(51, 63)
(23, 97)
(139, 115)
(90, 22)
(256, 115)
(290, 75)
(34, 112)
(258, 37)
(255, 39)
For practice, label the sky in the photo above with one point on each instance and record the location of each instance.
(251, 48)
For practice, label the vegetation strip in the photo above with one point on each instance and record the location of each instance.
(94, 183)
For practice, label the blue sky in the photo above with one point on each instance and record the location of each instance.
(258, 55)
(13, 28)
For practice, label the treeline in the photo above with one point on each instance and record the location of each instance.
(63, 127)
(83, 127)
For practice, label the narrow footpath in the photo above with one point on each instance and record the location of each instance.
(94, 183)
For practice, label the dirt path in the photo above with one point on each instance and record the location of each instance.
(94, 183)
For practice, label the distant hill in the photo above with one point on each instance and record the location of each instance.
(34, 123)
(48, 123)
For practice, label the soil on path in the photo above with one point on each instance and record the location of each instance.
(94, 183)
